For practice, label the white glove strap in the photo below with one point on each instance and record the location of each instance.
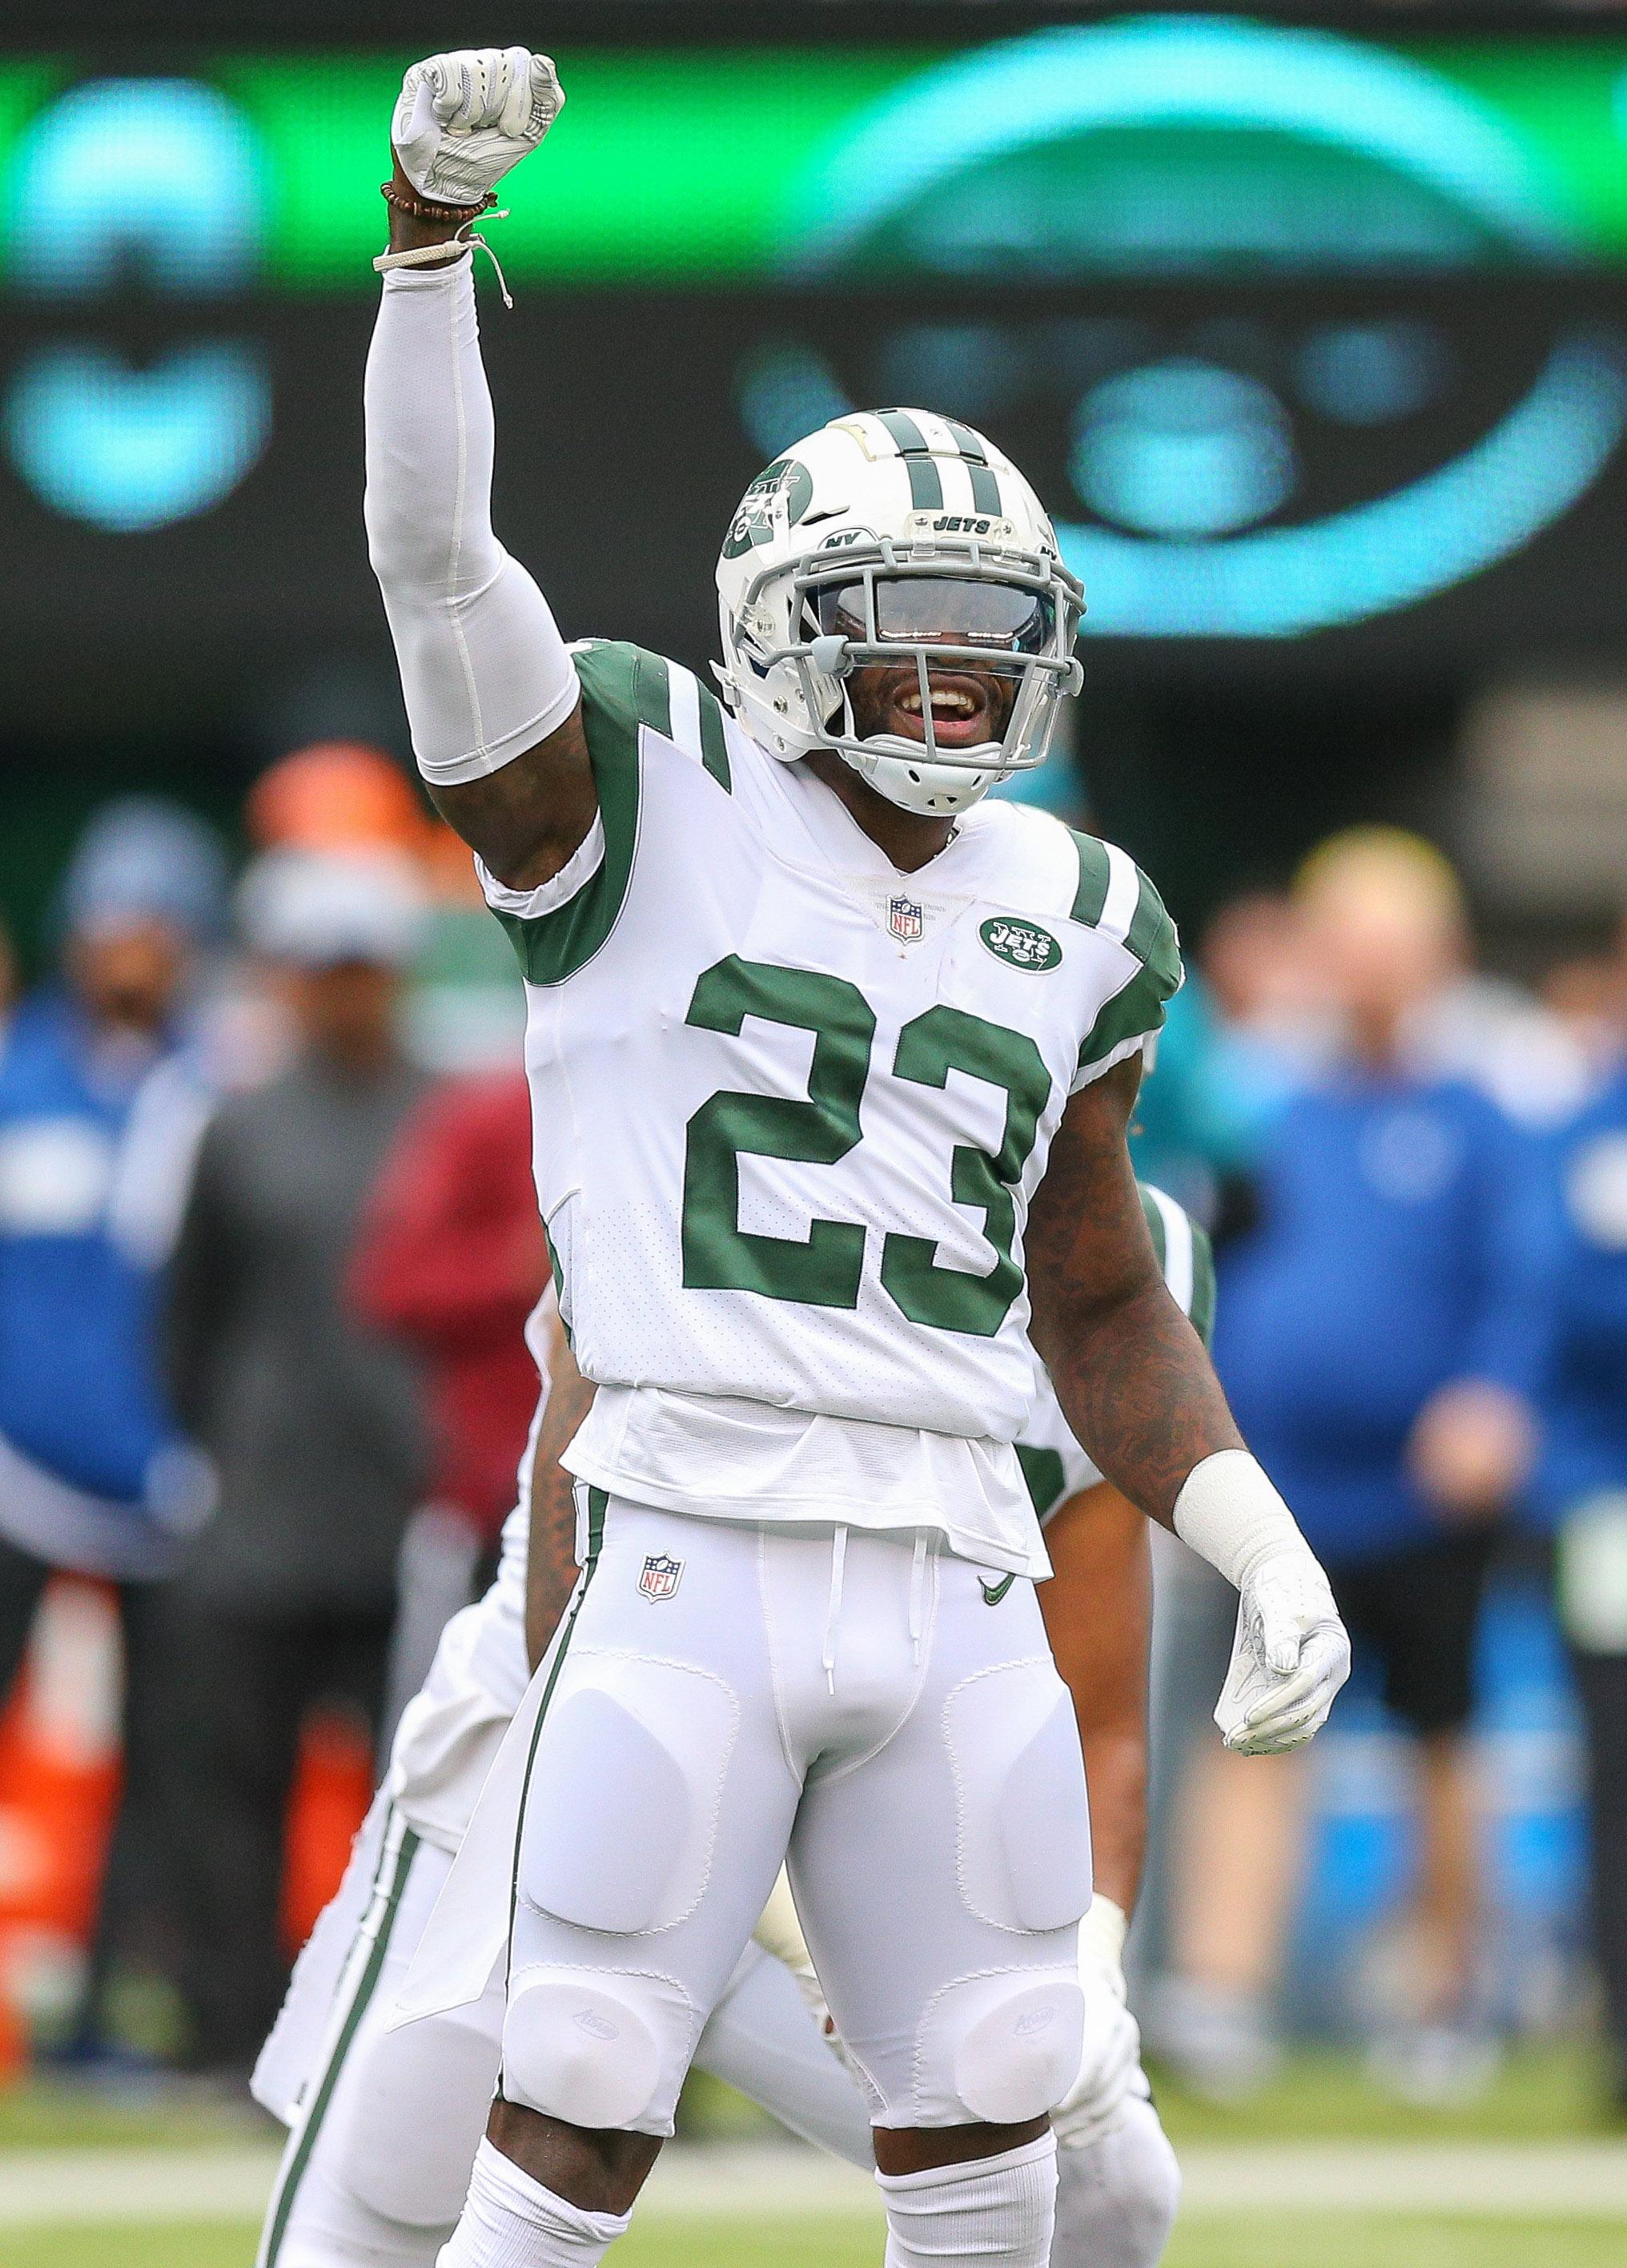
(1231, 1515)
(1103, 1933)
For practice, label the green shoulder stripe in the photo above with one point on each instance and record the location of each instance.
(1094, 874)
(623, 689)
(1138, 1008)
(1151, 937)
(1202, 1285)
(714, 741)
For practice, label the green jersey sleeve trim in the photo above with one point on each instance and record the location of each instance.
(1153, 1213)
(1044, 1475)
(623, 689)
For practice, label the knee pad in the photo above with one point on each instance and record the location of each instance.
(1024, 1825)
(1000, 2048)
(409, 2114)
(622, 1806)
(1117, 2194)
(598, 2048)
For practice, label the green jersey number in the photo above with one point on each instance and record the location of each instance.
(824, 1269)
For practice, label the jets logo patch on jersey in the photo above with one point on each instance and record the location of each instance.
(1020, 943)
(660, 1576)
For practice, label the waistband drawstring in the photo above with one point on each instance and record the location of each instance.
(838, 1564)
(918, 1593)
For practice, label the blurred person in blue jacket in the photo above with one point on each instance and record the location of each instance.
(102, 1098)
(1382, 1336)
(1582, 1489)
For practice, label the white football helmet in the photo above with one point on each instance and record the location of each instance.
(897, 539)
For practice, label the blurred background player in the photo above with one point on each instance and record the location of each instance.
(104, 1087)
(451, 1261)
(1582, 1486)
(311, 1419)
(1382, 1333)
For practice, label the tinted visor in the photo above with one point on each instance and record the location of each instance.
(941, 610)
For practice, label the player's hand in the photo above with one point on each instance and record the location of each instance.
(1111, 2050)
(463, 120)
(1290, 1657)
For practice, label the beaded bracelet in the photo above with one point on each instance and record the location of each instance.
(419, 209)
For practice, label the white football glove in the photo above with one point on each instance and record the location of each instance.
(463, 120)
(1289, 1659)
(1111, 2050)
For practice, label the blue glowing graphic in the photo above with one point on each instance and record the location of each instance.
(1182, 448)
(163, 174)
(134, 450)
(1369, 373)
(161, 177)
(1175, 73)
(1436, 531)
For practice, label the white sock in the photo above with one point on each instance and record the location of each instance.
(510, 2221)
(997, 2213)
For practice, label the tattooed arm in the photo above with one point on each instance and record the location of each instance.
(1130, 1371)
(1140, 1393)
(551, 1564)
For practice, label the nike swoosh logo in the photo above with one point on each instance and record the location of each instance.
(993, 1593)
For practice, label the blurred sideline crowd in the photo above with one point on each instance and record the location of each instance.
(269, 1245)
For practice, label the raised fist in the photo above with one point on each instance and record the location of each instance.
(464, 119)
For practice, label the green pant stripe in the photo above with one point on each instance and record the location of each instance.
(287, 2188)
(597, 1501)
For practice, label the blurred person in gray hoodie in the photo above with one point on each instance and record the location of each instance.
(312, 1421)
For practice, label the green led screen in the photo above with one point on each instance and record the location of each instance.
(1146, 146)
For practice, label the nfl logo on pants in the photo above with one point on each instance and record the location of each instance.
(659, 1577)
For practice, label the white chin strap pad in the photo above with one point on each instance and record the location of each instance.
(898, 770)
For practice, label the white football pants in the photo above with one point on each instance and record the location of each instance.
(379, 2154)
(879, 1714)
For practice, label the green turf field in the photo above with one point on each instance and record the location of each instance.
(1331, 2240)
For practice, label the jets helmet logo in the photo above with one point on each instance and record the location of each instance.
(784, 485)
(660, 1576)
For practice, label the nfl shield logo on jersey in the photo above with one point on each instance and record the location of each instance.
(659, 1577)
(904, 919)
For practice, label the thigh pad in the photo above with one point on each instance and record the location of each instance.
(1023, 1829)
(621, 1813)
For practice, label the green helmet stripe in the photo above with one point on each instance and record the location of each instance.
(985, 484)
(926, 487)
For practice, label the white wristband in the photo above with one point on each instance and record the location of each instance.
(1232, 1515)
(1103, 1933)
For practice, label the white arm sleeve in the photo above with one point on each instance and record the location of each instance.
(484, 671)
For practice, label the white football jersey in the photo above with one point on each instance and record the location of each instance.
(1054, 1465)
(790, 1105)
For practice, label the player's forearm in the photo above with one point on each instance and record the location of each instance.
(1138, 1390)
(1115, 1773)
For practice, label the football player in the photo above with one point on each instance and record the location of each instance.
(832, 1063)
(384, 2125)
